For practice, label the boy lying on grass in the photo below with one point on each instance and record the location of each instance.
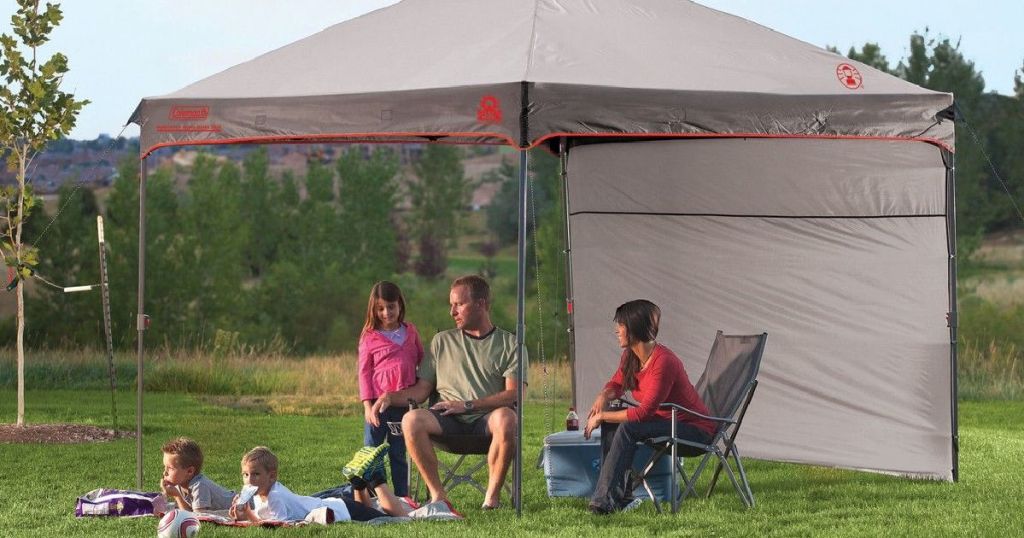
(185, 484)
(274, 502)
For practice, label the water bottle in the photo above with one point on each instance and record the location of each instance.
(244, 497)
(572, 420)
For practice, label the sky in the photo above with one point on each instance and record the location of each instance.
(123, 50)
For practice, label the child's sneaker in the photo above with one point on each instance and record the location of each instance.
(366, 463)
(442, 509)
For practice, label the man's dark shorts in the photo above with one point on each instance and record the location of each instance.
(452, 426)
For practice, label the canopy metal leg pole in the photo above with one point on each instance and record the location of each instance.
(140, 324)
(563, 160)
(950, 160)
(521, 331)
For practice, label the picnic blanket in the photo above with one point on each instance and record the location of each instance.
(437, 511)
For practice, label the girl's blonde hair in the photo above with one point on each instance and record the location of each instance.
(389, 292)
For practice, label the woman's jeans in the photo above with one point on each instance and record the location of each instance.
(396, 451)
(618, 447)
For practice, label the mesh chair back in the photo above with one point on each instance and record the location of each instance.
(732, 367)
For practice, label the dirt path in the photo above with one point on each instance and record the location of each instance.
(58, 433)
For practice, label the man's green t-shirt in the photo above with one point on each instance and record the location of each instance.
(462, 367)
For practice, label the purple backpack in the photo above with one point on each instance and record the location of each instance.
(119, 503)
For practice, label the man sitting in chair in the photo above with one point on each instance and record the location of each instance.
(474, 370)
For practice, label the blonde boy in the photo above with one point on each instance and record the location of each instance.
(274, 502)
(184, 483)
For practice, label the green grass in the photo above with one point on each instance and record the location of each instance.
(470, 264)
(38, 483)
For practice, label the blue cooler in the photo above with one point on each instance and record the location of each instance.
(572, 464)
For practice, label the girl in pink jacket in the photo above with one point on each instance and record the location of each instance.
(389, 352)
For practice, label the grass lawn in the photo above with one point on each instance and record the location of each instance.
(39, 483)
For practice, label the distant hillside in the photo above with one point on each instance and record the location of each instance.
(94, 162)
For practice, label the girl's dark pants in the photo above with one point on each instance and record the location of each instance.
(396, 452)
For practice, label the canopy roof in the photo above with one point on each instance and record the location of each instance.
(518, 72)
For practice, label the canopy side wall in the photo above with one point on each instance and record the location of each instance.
(836, 248)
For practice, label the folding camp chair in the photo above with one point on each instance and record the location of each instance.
(465, 466)
(462, 471)
(726, 388)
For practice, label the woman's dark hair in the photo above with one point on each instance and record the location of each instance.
(641, 318)
(388, 292)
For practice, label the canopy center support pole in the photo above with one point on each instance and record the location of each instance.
(140, 324)
(524, 137)
(520, 331)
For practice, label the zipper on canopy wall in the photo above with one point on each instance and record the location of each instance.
(949, 159)
(563, 162)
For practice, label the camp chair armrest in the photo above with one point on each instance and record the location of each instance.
(677, 407)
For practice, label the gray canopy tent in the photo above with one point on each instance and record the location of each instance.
(746, 181)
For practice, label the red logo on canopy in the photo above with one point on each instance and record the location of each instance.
(849, 76)
(185, 117)
(189, 113)
(489, 110)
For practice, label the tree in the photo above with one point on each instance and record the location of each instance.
(937, 64)
(170, 286)
(289, 193)
(307, 286)
(871, 54)
(70, 258)
(216, 235)
(548, 253)
(367, 193)
(1018, 82)
(33, 112)
(319, 182)
(438, 199)
(260, 197)
(503, 211)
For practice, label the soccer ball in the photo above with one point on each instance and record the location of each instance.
(178, 524)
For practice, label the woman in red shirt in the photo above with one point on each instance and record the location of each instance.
(654, 375)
